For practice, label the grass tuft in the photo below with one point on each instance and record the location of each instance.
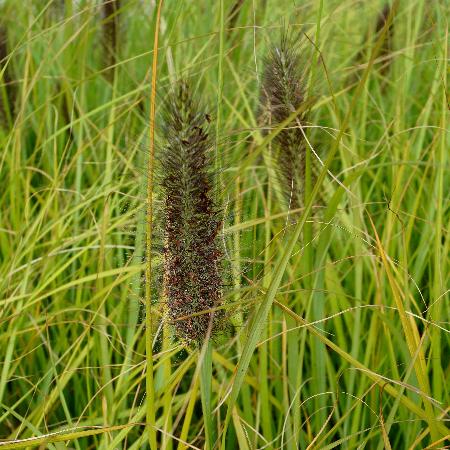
(344, 338)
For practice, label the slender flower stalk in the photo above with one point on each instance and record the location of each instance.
(192, 268)
(149, 376)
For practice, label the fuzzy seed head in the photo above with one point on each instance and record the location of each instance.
(192, 267)
(283, 92)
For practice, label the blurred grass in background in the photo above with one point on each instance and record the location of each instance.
(370, 269)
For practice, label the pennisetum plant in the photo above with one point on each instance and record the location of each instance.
(283, 93)
(192, 254)
(285, 101)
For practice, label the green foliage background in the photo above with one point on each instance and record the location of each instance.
(369, 269)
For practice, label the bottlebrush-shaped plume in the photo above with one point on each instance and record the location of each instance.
(283, 92)
(192, 267)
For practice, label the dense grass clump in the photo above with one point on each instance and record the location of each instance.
(192, 268)
(339, 334)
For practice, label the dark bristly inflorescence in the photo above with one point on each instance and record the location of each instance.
(283, 92)
(192, 268)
